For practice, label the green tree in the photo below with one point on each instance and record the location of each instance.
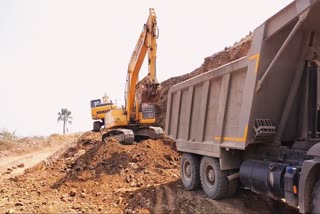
(65, 117)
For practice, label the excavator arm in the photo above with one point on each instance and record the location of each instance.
(133, 121)
(146, 43)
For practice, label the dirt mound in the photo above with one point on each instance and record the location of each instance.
(93, 176)
(230, 54)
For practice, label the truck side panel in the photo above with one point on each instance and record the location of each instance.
(204, 112)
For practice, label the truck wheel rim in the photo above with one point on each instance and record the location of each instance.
(187, 170)
(210, 176)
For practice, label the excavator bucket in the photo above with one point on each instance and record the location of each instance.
(147, 91)
(151, 89)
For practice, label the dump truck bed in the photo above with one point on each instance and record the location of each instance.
(253, 99)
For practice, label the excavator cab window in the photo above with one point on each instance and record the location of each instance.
(148, 110)
(95, 103)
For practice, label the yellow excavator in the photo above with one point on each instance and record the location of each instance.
(136, 118)
(99, 108)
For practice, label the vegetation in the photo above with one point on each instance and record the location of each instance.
(7, 135)
(65, 117)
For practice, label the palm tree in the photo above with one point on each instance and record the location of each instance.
(65, 117)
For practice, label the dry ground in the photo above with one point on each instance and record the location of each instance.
(88, 176)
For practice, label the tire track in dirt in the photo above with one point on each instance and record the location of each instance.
(159, 200)
(170, 199)
(165, 200)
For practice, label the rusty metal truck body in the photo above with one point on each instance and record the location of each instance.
(257, 117)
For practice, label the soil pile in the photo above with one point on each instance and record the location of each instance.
(93, 176)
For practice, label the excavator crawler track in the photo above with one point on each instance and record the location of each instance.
(127, 136)
(150, 132)
(124, 136)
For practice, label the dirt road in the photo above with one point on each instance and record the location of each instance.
(15, 165)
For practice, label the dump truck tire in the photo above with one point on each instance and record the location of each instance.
(214, 181)
(189, 171)
(316, 198)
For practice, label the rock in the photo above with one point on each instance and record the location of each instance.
(83, 195)
(10, 211)
(71, 199)
(98, 193)
(133, 165)
(14, 179)
(20, 165)
(129, 211)
(172, 163)
(139, 184)
(19, 204)
(169, 157)
(80, 153)
(133, 184)
(129, 178)
(120, 199)
(72, 193)
(14, 167)
(76, 206)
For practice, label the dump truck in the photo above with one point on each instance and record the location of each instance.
(255, 121)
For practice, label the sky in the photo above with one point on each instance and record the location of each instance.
(63, 53)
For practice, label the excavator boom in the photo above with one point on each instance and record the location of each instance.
(146, 43)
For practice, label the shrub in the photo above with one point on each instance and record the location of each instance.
(7, 135)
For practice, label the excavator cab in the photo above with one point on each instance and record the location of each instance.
(99, 108)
